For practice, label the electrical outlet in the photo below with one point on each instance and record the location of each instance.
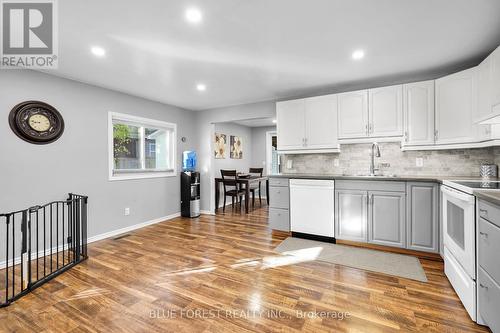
(336, 162)
(289, 164)
(419, 162)
(127, 211)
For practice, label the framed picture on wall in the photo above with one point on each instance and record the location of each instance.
(236, 147)
(220, 146)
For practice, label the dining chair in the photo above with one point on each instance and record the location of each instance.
(231, 187)
(254, 187)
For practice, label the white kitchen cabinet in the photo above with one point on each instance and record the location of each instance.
(321, 122)
(308, 124)
(418, 109)
(353, 114)
(495, 80)
(385, 111)
(290, 127)
(484, 91)
(455, 104)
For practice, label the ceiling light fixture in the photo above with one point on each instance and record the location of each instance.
(201, 87)
(98, 51)
(193, 15)
(358, 54)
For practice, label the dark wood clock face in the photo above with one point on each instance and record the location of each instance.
(36, 122)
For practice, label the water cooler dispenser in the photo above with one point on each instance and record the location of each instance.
(190, 186)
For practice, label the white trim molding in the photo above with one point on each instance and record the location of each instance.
(142, 174)
(117, 232)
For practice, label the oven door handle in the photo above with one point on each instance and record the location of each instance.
(457, 194)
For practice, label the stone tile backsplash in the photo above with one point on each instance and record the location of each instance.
(354, 159)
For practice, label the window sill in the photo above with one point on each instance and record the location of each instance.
(141, 175)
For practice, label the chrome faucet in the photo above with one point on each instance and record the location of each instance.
(374, 154)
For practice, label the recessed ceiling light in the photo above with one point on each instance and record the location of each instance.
(201, 87)
(274, 121)
(193, 15)
(98, 51)
(358, 54)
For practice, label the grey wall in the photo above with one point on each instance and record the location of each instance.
(355, 159)
(205, 121)
(78, 161)
(245, 133)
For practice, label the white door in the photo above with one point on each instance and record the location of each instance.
(455, 102)
(312, 207)
(418, 107)
(290, 116)
(483, 100)
(495, 79)
(483, 89)
(321, 122)
(353, 114)
(386, 111)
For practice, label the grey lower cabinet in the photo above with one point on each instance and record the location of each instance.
(371, 211)
(488, 286)
(279, 195)
(387, 218)
(351, 215)
(422, 216)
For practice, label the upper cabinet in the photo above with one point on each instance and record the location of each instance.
(385, 111)
(457, 111)
(455, 104)
(495, 80)
(418, 109)
(371, 113)
(321, 122)
(308, 124)
(290, 117)
(353, 114)
(484, 91)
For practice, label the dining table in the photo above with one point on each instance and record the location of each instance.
(244, 183)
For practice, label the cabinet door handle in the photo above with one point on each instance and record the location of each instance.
(483, 211)
(370, 130)
(367, 130)
(436, 135)
(371, 199)
(483, 286)
(483, 234)
(406, 136)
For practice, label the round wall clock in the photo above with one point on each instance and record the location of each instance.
(36, 122)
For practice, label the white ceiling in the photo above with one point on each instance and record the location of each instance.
(257, 122)
(254, 50)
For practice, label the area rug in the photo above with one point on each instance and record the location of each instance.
(399, 265)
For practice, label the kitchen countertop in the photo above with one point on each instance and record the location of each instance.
(492, 196)
(402, 178)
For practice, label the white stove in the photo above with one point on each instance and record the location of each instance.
(468, 186)
(459, 237)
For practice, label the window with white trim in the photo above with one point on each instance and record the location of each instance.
(141, 147)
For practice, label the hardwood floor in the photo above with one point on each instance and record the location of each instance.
(220, 274)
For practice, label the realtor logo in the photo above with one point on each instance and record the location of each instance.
(29, 34)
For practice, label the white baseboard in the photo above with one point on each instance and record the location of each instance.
(92, 239)
(117, 232)
(207, 212)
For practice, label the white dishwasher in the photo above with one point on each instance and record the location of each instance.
(312, 208)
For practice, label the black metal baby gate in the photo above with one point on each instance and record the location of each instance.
(40, 243)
